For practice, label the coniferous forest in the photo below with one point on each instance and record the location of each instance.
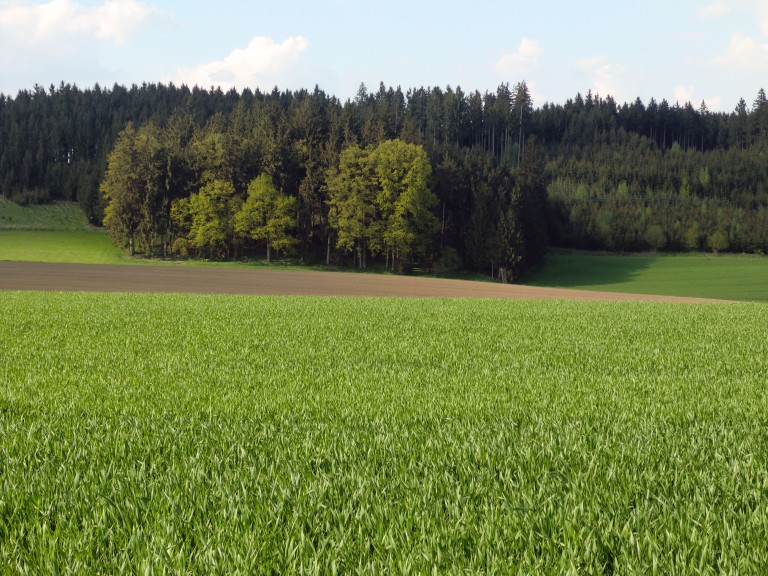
(430, 177)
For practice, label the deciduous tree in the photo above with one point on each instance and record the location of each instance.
(267, 215)
(351, 196)
(404, 201)
(122, 190)
(212, 211)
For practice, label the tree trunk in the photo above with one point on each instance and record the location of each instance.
(269, 253)
(442, 231)
(328, 252)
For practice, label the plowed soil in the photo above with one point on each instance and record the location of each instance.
(116, 278)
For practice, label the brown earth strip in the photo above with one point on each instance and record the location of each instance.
(117, 278)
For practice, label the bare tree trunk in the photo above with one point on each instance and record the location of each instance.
(442, 231)
(269, 253)
(328, 252)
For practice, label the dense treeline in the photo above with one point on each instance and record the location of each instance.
(609, 176)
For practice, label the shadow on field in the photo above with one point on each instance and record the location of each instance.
(563, 269)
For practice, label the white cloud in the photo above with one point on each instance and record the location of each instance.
(601, 73)
(608, 79)
(684, 94)
(589, 64)
(67, 40)
(763, 16)
(33, 24)
(714, 103)
(518, 63)
(714, 11)
(745, 54)
(261, 64)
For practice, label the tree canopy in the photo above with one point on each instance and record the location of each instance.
(267, 215)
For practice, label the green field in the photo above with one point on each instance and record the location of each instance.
(53, 233)
(723, 276)
(56, 216)
(209, 434)
(76, 246)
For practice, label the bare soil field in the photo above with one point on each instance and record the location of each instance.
(116, 278)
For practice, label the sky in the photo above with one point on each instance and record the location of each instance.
(678, 50)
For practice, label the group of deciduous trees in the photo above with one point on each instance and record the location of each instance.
(379, 201)
(157, 194)
(181, 189)
(609, 176)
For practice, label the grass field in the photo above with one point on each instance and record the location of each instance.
(723, 276)
(53, 233)
(80, 246)
(208, 434)
(56, 216)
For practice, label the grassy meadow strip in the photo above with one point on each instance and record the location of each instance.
(719, 276)
(55, 216)
(213, 434)
(75, 246)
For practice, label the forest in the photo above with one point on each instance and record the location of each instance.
(433, 178)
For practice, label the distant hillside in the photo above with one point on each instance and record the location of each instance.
(636, 176)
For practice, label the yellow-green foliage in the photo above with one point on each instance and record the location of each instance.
(201, 434)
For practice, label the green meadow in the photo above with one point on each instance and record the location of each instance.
(219, 434)
(74, 246)
(55, 232)
(721, 276)
(55, 216)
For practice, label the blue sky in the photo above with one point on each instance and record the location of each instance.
(680, 50)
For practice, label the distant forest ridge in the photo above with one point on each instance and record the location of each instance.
(631, 176)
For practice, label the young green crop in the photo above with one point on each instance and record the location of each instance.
(211, 434)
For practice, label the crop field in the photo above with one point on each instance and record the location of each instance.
(253, 434)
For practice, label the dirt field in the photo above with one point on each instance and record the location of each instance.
(115, 278)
